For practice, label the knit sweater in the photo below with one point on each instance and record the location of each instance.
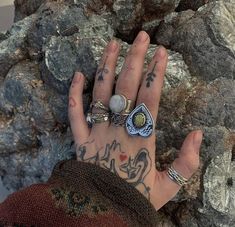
(78, 194)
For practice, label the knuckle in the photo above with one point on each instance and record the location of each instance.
(150, 101)
(101, 94)
(124, 87)
(135, 51)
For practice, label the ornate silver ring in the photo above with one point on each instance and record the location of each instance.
(140, 122)
(118, 119)
(97, 117)
(98, 105)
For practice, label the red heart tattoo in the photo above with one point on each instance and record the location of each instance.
(123, 157)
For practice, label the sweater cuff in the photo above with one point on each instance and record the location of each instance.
(90, 178)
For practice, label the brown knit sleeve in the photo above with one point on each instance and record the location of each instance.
(78, 194)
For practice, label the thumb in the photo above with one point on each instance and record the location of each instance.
(188, 161)
(186, 165)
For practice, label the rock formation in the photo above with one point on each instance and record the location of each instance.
(51, 39)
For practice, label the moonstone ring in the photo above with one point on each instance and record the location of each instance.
(119, 104)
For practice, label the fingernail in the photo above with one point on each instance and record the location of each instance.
(160, 52)
(112, 47)
(142, 37)
(197, 140)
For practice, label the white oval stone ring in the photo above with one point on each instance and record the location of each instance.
(120, 104)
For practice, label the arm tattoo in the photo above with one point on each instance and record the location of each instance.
(102, 71)
(111, 157)
(150, 76)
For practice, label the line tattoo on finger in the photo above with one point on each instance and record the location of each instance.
(102, 71)
(150, 76)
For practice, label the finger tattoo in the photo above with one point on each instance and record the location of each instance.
(102, 71)
(150, 76)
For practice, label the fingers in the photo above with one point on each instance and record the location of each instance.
(186, 165)
(150, 90)
(105, 77)
(77, 119)
(130, 76)
(105, 73)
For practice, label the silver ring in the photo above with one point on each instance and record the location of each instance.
(118, 119)
(140, 122)
(97, 117)
(98, 105)
(176, 177)
(119, 104)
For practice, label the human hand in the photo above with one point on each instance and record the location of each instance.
(109, 146)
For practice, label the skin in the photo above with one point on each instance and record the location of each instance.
(110, 147)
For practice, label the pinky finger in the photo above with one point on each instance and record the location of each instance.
(76, 115)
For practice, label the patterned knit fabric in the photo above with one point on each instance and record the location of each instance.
(78, 194)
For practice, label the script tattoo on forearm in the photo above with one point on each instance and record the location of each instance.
(111, 157)
(150, 76)
(101, 71)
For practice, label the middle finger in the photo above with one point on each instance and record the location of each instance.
(129, 79)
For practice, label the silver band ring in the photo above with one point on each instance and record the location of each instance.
(93, 118)
(98, 105)
(176, 177)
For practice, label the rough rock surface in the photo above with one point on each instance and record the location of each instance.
(24, 8)
(13, 49)
(191, 4)
(204, 31)
(38, 57)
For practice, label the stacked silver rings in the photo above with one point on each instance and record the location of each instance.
(176, 177)
(103, 116)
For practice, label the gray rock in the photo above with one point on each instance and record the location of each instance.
(54, 19)
(211, 104)
(169, 24)
(16, 134)
(160, 8)
(13, 49)
(207, 31)
(219, 185)
(24, 8)
(24, 91)
(191, 4)
(129, 15)
(35, 165)
(79, 52)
